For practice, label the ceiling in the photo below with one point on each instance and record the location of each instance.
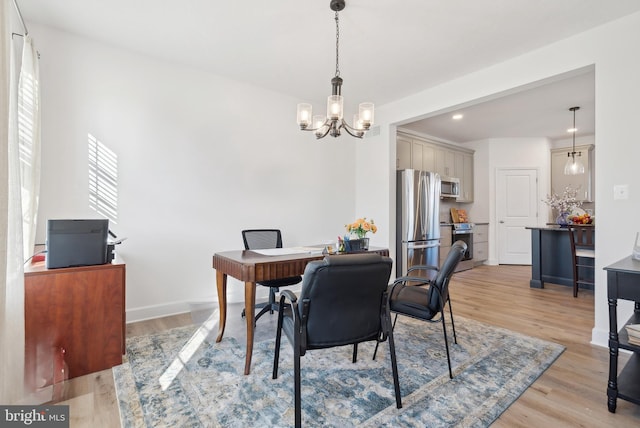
(388, 50)
(540, 111)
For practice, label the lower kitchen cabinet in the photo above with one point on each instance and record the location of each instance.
(445, 242)
(480, 243)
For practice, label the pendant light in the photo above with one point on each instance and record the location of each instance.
(334, 121)
(574, 166)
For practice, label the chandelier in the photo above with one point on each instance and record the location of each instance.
(334, 122)
(573, 165)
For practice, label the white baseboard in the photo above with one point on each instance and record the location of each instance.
(144, 313)
(600, 337)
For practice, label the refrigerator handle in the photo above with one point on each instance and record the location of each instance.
(419, 246)
(424, 211)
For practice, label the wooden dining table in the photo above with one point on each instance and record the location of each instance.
(252, 267)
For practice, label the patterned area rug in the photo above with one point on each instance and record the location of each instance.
(182, 378)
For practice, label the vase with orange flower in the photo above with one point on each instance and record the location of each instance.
(357, 239)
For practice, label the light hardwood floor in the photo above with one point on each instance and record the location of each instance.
(572, 392)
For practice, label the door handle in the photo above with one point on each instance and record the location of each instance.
(501, 221)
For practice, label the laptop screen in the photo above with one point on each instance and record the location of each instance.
(76, 243)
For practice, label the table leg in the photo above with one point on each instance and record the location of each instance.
(612, 385)
(221, 285)
(250, 313)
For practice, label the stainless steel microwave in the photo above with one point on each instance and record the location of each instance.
(450, 187)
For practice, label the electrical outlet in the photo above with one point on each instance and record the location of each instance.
(621, 191)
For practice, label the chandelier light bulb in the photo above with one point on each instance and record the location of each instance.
(319, 125)
(366, 114)
(304, 115)
(334, 107)
(357, 123)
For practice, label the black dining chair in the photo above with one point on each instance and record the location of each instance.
(260, 239)
(583, 254)
(343, 301)
(424, 299)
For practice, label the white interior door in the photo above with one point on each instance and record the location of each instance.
(516, 208)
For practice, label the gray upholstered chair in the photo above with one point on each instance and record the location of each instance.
(343, 301)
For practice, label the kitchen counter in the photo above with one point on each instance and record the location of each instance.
(549, 227)
(551, 259)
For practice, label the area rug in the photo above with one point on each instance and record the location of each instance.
(182, 378)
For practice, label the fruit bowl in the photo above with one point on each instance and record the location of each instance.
(581, 219)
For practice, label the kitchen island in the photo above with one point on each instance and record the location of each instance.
(551, 259)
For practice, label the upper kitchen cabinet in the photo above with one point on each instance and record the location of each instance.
(445, 159)
(410, 154)
(403, 153)
(582, 182)
(445, 162)
(464, 171)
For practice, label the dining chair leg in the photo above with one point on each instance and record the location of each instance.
(446, 344)
(453, 326)
(276, 354)
(394, 367)
(575, 278)
(272, 298)
(296, 386)
(355, 353)
(375, 351)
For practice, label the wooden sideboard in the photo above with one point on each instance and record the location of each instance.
(78, 312)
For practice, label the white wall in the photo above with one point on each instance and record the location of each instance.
(611, 49)
(200, 158)
(195, 169)
(504, 153)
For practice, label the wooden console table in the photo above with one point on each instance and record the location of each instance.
(623, 282)
(251, 267)
(79, 310)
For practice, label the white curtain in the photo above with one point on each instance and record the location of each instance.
(11, 249)
(29, 142)
(19, 191)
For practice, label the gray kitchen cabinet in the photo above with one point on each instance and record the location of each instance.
(445, 162)
(445, 159)
(416, 155)
(445, 241)
(428, 158)
(480, 243)
(464, 171)
(403, 152)
(583, 183)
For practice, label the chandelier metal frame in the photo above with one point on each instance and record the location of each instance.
(333, 123)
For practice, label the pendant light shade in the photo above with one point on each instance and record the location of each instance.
(574, 165)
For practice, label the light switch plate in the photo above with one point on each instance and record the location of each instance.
(621, 191)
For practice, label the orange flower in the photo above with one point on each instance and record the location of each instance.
(360, 227)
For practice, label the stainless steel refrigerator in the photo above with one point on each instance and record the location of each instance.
(417, 221)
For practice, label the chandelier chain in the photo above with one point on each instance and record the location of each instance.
(337, 45)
